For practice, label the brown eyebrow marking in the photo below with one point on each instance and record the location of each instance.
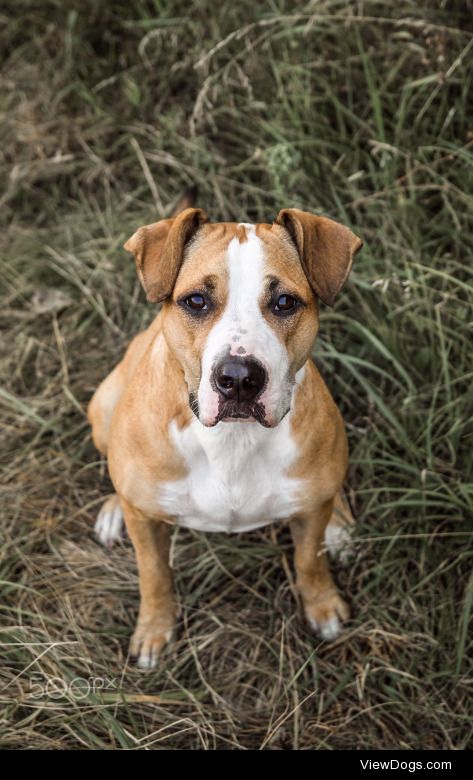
(209, 282)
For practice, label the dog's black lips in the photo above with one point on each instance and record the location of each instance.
(194, 404)
(234, 411)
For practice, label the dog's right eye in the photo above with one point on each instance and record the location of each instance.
(196, 302)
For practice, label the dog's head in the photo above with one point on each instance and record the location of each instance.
(240, 303)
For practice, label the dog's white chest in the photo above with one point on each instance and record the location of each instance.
(237, 478)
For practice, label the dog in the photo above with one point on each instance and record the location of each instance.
(217, 418)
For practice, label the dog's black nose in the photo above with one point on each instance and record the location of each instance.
(239, 380)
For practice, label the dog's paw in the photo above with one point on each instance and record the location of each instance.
(109, 523)
(326, 615)
(338, 541)
(339, 531)
(148, 641)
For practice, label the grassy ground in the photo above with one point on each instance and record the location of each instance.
(359, 111)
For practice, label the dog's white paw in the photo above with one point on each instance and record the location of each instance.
(327, 629)
(147, 660)
(338, 541)
(339, 531)
(147, 643)
(109, 523)
(326, 613)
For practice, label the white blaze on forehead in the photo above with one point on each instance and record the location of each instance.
(243, 330)
(246, 277)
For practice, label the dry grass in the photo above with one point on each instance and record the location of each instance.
(362, 114)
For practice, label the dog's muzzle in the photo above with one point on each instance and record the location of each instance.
(239, 382)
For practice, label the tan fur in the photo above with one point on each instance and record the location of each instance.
(298, 332)
(159, 249)
(326, 248)
(131, 411)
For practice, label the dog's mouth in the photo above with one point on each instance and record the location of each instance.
(250, 412)
(233, 412)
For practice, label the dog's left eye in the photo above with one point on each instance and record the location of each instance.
(285, 304)
(196, 302)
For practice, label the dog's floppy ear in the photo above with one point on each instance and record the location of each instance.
(159, 249)
(325, 247)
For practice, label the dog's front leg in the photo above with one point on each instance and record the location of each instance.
(157, 615)
(324, 608)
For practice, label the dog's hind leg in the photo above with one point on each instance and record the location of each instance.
(338, 541)
(109, 524)
(104, 400)
(102, 406)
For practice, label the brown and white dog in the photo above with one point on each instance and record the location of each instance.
(217, 418)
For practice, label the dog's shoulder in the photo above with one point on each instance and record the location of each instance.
(318, 431)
